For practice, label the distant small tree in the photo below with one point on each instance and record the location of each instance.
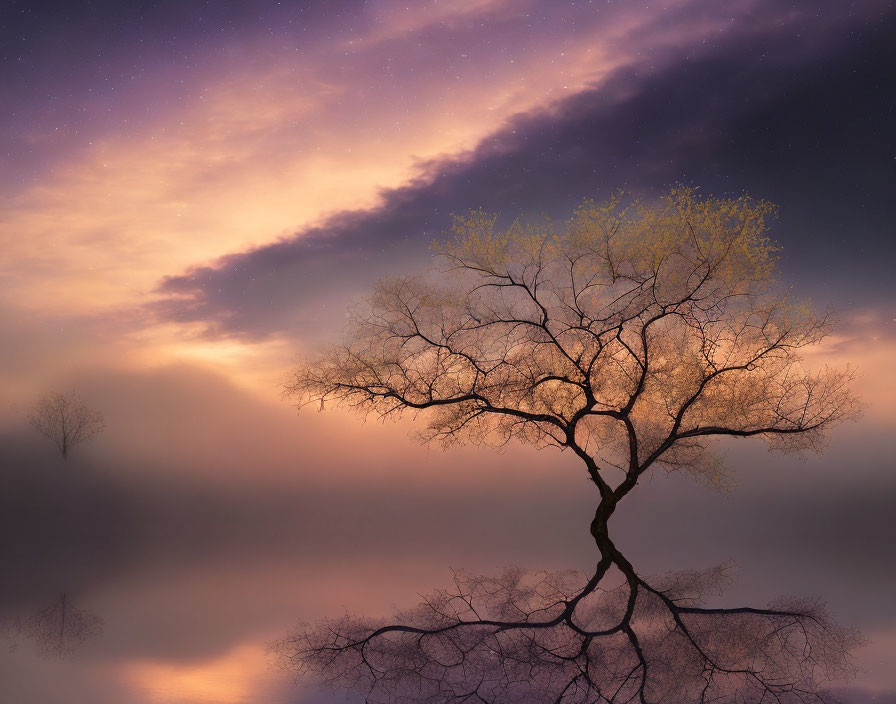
(66, 420)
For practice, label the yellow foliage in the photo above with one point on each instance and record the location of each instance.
(631, 238)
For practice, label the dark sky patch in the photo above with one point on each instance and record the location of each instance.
(801, 112)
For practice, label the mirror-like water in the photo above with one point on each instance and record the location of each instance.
(142, 590)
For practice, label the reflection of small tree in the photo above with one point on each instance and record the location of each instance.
(60, 628)
(10, 630)
(66, 420)
(633, 338)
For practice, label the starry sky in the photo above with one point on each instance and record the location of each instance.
(192, 193)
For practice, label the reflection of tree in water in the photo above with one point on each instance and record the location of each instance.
(633, 338)
(57, 630)
(559, 637)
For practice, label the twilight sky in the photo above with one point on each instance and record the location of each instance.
(192, 193)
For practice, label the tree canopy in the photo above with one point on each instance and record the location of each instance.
(632, 336)
(66, 420)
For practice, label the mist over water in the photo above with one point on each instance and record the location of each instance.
(193, 575)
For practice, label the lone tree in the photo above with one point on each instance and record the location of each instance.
(632, 337)
(66, 420)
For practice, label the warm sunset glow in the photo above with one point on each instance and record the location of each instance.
(254, 155)
(228, 679)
